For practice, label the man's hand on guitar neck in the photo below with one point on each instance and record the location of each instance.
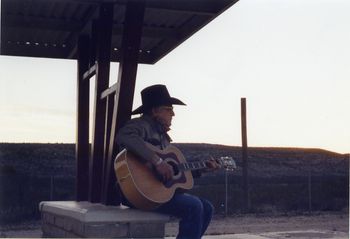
(212, 165)
(164, 170)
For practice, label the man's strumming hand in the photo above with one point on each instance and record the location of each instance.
(165, 171)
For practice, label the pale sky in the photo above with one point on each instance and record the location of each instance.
(289, 59)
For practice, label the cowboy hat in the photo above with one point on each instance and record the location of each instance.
(154, 96)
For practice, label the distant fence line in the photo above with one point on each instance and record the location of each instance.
(21, 195)
(269, 195)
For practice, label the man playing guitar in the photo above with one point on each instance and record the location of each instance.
(151, 127)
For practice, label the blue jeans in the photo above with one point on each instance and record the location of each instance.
(195, 214)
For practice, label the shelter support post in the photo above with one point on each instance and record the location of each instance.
(82, 134)
(103, 55)
(124, 95)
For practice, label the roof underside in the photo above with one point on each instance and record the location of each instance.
(50, 28)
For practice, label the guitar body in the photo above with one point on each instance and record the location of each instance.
(140, 183)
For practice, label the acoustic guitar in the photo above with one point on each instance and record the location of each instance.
(141, 184)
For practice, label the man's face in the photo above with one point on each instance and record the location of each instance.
(164, 115)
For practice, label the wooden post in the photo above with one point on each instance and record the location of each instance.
(103, 53)
(245, 155)
(82, 124)
(131, 40)
(226, 192)
(309, 189)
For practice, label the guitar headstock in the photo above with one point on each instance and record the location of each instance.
(227, 162)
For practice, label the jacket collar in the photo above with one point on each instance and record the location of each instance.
(156, 125)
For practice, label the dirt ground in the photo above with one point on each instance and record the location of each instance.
(317, 225)
(253, 224)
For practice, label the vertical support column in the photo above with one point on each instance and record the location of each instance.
(245, 155)
(103, 53)
(131, 41)
(82, 124)
(108, 126)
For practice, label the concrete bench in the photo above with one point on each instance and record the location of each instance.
(85, 219)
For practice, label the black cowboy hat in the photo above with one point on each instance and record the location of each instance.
(154, 96)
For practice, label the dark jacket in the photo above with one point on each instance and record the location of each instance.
(137, 131)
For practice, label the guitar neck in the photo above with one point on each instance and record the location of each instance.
(226, 162)
(192, 165)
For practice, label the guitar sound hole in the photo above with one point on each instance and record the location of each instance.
(175, 168)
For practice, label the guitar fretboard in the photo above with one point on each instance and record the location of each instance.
(226, 162)
(192, 166)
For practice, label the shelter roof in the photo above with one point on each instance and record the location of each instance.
(50, 28)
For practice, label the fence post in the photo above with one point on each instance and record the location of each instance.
(20, 195)
(52, 187)
(226, 192)
(309, 190)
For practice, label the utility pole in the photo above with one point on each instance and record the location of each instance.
(245, 155)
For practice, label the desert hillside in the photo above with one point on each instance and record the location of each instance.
(280, 179)
(59, 159)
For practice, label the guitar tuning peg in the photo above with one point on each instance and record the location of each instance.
(228, 157)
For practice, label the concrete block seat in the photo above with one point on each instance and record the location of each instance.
(85, 219)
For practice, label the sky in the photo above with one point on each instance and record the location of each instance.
(288, 58)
